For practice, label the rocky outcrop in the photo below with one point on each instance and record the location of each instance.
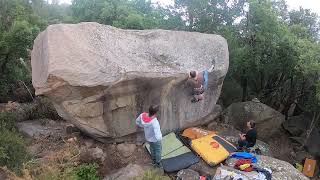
(313, 143)
(298, 126)
(268, 121)
(38, 129)
(100, 77)
(280, 169)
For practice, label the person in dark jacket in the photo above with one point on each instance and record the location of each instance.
(249, 139)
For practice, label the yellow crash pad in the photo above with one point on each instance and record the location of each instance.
(212, 148)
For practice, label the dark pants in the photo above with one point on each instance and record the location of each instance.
(155, 151)
(244, 143)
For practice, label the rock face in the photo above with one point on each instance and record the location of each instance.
(313, 143)
(268, 121)
(297, 126)
(100, 77)
(37, 129)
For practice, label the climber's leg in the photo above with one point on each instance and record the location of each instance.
(205, 79)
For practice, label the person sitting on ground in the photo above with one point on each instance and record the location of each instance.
(152, 132)
(198, 83)
(249, 139)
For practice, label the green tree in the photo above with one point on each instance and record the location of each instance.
(18, 27)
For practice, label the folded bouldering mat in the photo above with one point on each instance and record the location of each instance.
(195, 133)
(175, 155)
(309, 167)
(212, 148)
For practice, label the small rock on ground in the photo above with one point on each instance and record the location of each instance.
(131, 171)
(126, 150)
(187, 174)
(92, 155)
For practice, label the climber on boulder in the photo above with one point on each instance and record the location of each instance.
(198, 82)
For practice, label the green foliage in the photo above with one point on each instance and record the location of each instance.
(18, 27)
(136, 14)
(87, 172)
(12, 150)
(43, 109)
(49, 174)
(7, 120)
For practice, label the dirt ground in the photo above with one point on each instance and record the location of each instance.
(45, 148)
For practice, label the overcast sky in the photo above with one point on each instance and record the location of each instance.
(314, 5)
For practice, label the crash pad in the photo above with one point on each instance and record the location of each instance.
(309, 167)
(195, 133)
(177, 163)
(212, 148)
(175, 155)
(171, 146)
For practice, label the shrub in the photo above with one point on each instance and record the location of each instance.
(7, 120)
(87, 172)
(12, 150)
(60, 165)
(43, 109)
(50, 173)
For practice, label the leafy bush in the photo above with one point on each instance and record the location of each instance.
(12, 147)
(7, 120)
(60, 165)
(43, 109)
(50, 173)
(12, 150)
(87, 172)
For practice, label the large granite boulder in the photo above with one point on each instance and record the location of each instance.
(100, 77)
(268, 121)
(297, 125)
(313, 143)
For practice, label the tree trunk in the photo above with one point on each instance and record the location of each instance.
(244, 87)
(314, 122)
